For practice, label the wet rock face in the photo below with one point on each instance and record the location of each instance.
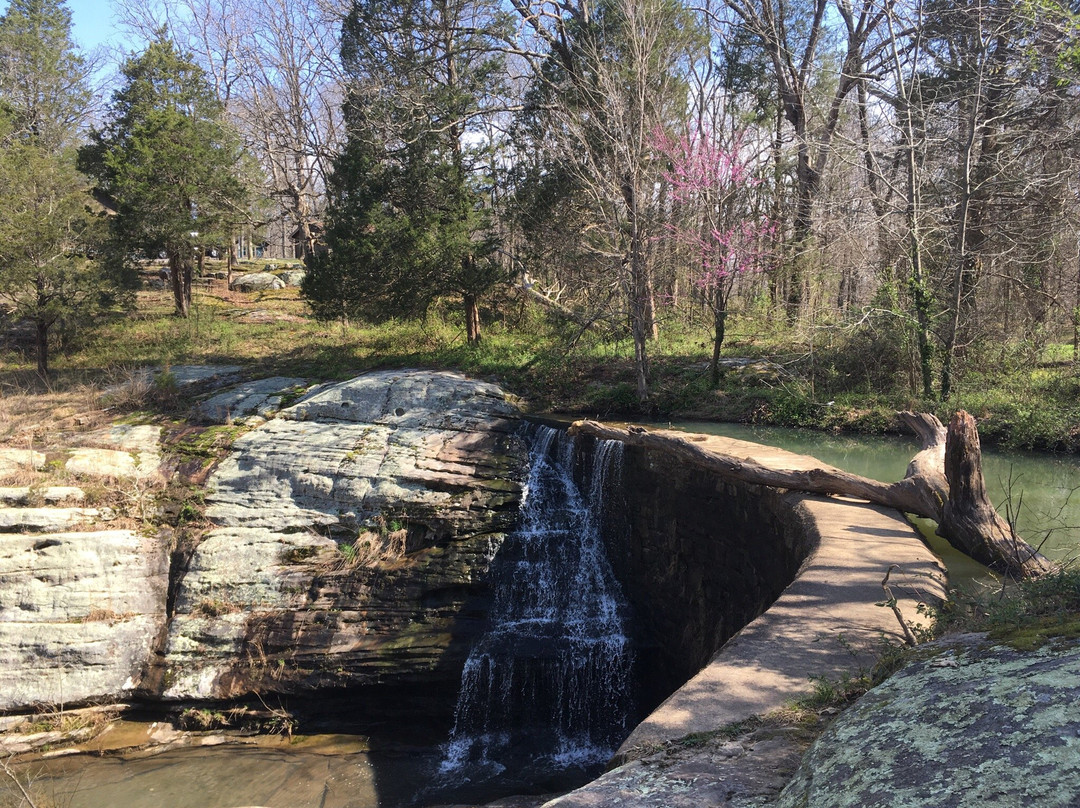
(355, 532)
(975, 726)
(699, 558)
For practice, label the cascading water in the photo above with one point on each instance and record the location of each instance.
(549, 685)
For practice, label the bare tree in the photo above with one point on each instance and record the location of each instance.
(612, 80)
(793, 36)
(275, 65)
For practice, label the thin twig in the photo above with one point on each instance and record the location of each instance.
(18, 783)
(890, 601)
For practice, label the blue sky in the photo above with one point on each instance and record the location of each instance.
(91, 22)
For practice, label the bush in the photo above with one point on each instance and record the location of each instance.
(875, 357)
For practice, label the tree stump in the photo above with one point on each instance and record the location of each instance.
(969, 520)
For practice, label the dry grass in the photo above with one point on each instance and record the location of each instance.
(372, 548)
(214, 607)
(106, 616)
(39, 418)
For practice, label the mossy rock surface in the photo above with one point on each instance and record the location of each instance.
(977, 725)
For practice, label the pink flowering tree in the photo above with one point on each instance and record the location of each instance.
(714, 220)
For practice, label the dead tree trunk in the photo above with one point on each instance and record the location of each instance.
(966, 518)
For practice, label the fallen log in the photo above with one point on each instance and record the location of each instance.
(943, 482)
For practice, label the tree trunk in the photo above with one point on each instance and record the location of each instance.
(176, 275)
(969, 520)
(186, 264)
(41, 337)
(966, 518)
(719, 332)
(42, 343)
(472, 319)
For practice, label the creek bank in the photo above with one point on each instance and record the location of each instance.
(268, 599)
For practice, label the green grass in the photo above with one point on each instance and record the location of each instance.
(829, 378)
(1024, 615)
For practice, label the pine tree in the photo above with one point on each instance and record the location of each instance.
(43, 81)
(168, 161)
(46, 231)
(406, 221)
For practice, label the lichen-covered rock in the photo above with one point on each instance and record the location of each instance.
(973, 727)
(79, 615)
(355, 532)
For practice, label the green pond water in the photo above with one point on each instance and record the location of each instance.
(1039, 492)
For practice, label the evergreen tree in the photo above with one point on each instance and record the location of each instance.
(406, 222)
(46, 230)
(169, 162)
(43, 81)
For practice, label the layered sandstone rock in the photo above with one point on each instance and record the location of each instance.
(79, 614)
(353, 537)
(355, 531)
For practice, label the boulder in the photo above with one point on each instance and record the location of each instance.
(79, 615)
(256, 282)
(354, 535)
(13, 461)
(971, 725)
(293, 277)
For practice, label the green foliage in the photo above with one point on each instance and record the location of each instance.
(168, 162)
(46, 233)
(836, 693)
(406, 220)
(1024, 615)
(46, 276)
(43, 81)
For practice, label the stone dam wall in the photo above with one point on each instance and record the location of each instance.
(697, 557)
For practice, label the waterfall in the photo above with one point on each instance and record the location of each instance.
(550, 681)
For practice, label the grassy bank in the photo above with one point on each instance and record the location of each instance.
(826, 380)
